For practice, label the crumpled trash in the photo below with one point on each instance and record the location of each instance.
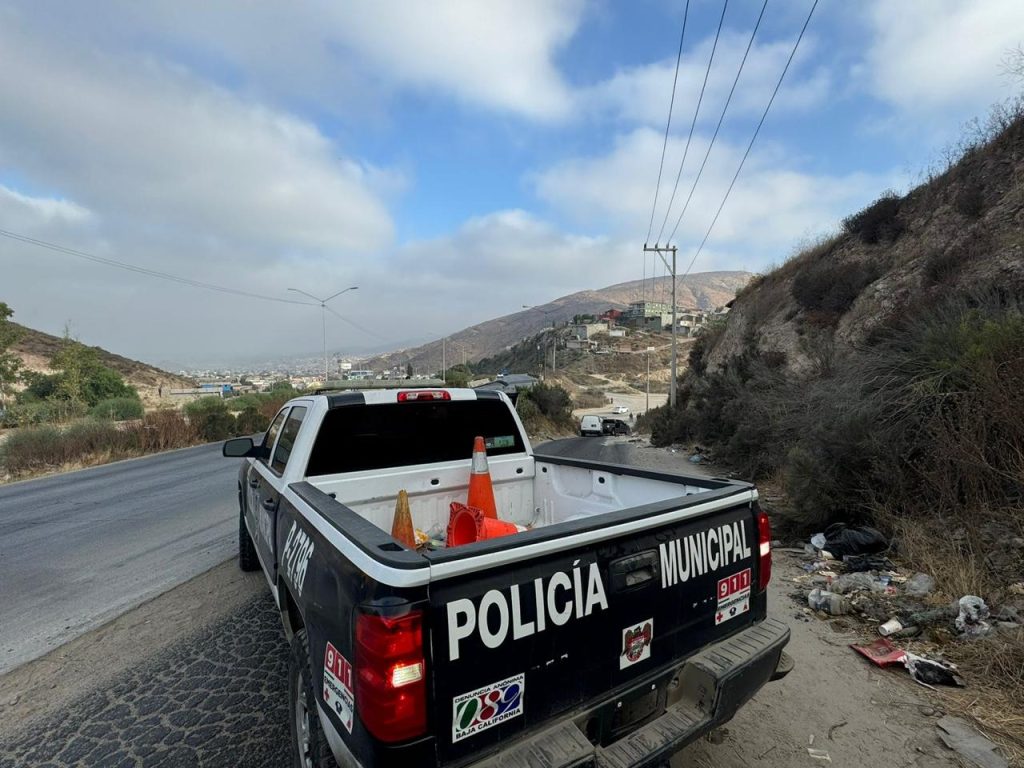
(819, 754)
(868, 563)
(828, 602)
(971, 620)
(818, 541)
(854, 582)
(920, 585)
(958, 735)
(696, 458)
(929, 672)
(842, 540)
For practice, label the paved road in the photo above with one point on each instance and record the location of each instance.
(80, 548)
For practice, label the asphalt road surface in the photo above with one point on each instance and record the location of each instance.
(197, 677)
(80, 548)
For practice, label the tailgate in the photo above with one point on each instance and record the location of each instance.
(516, 645)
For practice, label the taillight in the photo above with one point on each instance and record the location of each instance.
(417, 395)
(764, 544)
(391, 686)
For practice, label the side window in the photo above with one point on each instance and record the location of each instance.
(275, 427)
(288, 434)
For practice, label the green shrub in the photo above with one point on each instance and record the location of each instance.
(553, 401)
(878, 222)
(204, 405)
(92, 437)
(31, 449)
(832, 287)
(250, 421)
(24, 414)
(117, 409)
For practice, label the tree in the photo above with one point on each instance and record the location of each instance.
(10, 363)
(457, 376)
(81, 377)
(408, 370)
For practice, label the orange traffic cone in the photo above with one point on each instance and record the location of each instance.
(481, 492)
(401, 528)
(468, 525)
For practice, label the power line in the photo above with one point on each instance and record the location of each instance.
(668, 122)
(693, 123)
(752, 138)
(721, 119)
(353, 323)
(144, 270)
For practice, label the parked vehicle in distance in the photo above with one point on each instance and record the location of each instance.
(625, 619)
(591, 425)
(614, 427)
(620, 409)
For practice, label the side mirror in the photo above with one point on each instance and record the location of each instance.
(240, 447)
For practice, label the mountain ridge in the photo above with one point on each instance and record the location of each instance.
(484, 339)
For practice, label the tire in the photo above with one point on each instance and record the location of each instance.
(248, 560)
(309, 744)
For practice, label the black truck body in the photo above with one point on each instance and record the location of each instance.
(627, 620)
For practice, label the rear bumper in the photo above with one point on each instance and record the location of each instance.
(707, 690)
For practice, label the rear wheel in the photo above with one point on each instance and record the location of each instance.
(247, 558)
(309, 744)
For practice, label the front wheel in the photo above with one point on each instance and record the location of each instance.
(309, 744)
(248, 560)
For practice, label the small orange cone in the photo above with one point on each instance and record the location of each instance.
(481, 492)
(401, 528)
(468, 525)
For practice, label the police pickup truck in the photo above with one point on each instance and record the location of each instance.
(627, 619)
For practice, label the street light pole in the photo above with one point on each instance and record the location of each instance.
(323, 317)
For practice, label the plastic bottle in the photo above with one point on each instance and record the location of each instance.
(827, 602)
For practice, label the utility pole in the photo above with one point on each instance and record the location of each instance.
(444, 361)
(661, 250)
(648, 406)
(323, 314)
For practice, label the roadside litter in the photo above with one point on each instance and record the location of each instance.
(842, 540)
(828, 602)
(962, 738)
(971, 620)
(920, 585)
(927, 672)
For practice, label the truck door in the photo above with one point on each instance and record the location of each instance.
(265, 483)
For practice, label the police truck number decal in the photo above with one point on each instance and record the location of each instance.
(704, 552)
(298, 548)
(338, 693)
(733, 596)
(486, 707)
(556, 601)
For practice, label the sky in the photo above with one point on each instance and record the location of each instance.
(455, 160)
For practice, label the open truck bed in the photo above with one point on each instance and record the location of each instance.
(627, 620)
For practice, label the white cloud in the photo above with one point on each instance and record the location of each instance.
(344, 55)
(26, 212)
(148, 147)
(640, 94)
(771, 207)
(927, 56)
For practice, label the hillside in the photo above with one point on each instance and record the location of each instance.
(878, 375)
(705, 290)
(36, 348)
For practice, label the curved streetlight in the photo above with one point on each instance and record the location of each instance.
(323, 313)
